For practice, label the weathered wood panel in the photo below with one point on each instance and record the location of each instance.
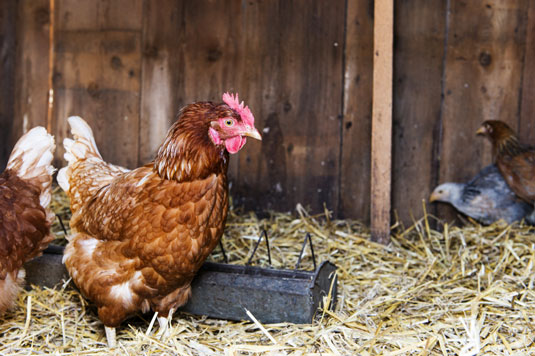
(300, 157)
(162, 89)
(31, 73)
(8, 15)
(356, 129)
(98, 73)
(483, 68)
(526, 126)
(420, 30)
(304, 68)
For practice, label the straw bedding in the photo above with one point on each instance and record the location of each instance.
(463, 291)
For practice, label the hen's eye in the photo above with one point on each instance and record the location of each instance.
(229, 122)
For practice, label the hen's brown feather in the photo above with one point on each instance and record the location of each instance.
(25, 220)
(139, 239)
(515, 160)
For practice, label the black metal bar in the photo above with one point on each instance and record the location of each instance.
(62, 225)
(223, 250)
(263, 234)
(308, 238)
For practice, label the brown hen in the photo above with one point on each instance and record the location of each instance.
(515, 161)
(25, 219)
(138, 237)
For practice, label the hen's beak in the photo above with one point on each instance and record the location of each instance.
(252, 132)
(481, 131)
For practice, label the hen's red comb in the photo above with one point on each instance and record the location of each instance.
(234, 103)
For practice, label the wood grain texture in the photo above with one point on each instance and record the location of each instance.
(381, 160)
(302, 110)
(356, 129)
(305, 69)
(526, 126)
(162, 89)
(98, 74)
(420, 28)
(8, 33)
(482, 81)
(212, 57)
(31, 73)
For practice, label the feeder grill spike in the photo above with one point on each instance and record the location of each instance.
(265, 235)
(62, 225)
(225, 258)
(308, 238)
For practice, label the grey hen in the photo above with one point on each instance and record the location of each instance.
(486, 198)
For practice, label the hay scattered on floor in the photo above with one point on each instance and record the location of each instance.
(464, 291)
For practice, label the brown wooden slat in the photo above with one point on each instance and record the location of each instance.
(162, 89)
(211, 52)
(420, 27)
(356, 134)
(482, 80)
(8, 33)
(382, 120)
(98, 74)
(299, 75)
(81, 15)
(31, 84)
(526, 127)
(260, 45)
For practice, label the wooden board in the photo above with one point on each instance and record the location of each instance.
(381, 147)
(162, 89)
(98, 74)
(305, 70)
(31, 73)
(356, 127)
(482, 81)
(526, 125)
(420, 27)
(297, 52)
(8, 33)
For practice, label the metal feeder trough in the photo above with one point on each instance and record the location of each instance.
(226, 291)
(272, 295)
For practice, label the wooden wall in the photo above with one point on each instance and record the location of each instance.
(305, 69)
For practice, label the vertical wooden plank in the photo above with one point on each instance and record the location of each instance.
(98, 73)
(8, 33)
(526, 126)
(162, 89)
(482, 80)
(285, 60)
(310, 94)
(356, 130)
(382, 120)
(420, 28)
(31, 85)
(213, 61)
(260, 47)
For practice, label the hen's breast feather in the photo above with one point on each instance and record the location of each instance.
(168, 228)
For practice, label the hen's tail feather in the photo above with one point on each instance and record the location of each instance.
(31, 159)
(86, 171)
(82, 147)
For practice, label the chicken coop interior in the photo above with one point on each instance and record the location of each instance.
(364, 108)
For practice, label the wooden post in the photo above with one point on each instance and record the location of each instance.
(381, 160)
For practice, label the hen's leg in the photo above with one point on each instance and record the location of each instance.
(110, 336)
(165, 324)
